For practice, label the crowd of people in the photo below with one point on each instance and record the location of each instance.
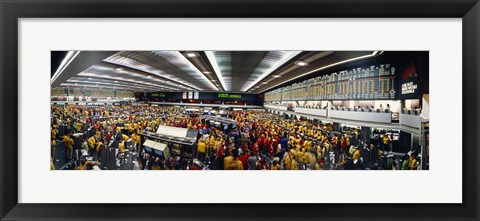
(258, 141)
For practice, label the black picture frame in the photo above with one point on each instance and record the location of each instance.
(12, 10)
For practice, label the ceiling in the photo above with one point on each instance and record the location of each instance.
(233, 71)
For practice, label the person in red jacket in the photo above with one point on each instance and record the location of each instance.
(220, 155)
(255, 148)
(243, 158)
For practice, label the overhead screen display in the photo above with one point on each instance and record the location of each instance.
(392, 76)
(374, 82)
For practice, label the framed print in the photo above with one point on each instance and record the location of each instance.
(332, 95)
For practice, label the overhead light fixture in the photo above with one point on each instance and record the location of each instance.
(301, 63)
(213, 61)
(65, 62)
(272, 66)
(186, 65)
(191, 54)
(206, 72)
(90, 78)
(174, 57)
(214, 80)
(149, 76)
(264, 83)
(115, 81)
(276, 76)
(119, 69)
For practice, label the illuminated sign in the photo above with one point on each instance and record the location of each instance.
(409, 88)
(226, 95)
(411, 71)
(157, 95)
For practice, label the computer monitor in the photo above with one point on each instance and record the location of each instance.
(147, 146)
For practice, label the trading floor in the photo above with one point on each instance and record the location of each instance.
(125, 137)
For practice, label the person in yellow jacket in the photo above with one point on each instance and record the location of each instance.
(124, 137)
(356, 154)
(299, 158)
(121, 147)
(275, 166)
(134, 141)
(53, 147)
(91, 142)
(79, 126)
(99, 147)
(385, 141)
(229, 163)
(69, 145)
(211, 142)
(412, 165)
(238, 164)
(52, 166)
(290, 162)
(54, 133)
(83, 164)
(201, 149)
(319, 165)
(308, 144)
(99, 134)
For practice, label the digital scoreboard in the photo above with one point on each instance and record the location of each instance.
(371, 83)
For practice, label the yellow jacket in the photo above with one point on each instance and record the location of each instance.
(124, 137)
(68, 141)
(277, 167)
(121, 147)
(52, 166)
(54, 132)
(290, 163)
(212, 140)
(385, 139)
(356, 155)
(99, 146)
(412, 164)
(300, 156)
(91, 142)
(229, 163)
(238, 165)
(201, 147)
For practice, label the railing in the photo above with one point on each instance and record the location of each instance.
(361, 114)
(311, 111)
(276, 107)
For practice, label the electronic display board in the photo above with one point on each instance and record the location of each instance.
(391, 76)
(376, 82)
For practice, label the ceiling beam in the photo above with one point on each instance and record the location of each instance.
(83, 61)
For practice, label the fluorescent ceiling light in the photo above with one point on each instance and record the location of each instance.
(170, 56)
(191, 54)
(264, 82)
(213, 62)
(301, 63)
(109, 77)
(324, 67)
(206, 72)
(286, 56)
(119, 69)
(65, 62)
(276, 76)
(189, 67)
(149, 76)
